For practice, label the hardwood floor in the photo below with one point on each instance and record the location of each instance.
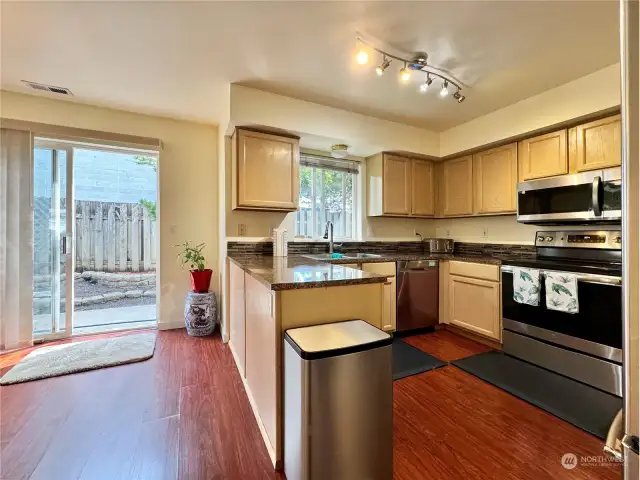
(445, 345)
(184, 415)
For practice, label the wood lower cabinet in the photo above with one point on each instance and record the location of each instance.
(422, 188)
(237, 319)
(265, 171)
(262, 356)
(389, 293)
(495, 174)
(474, 305)
(596, 145)
(455, 190)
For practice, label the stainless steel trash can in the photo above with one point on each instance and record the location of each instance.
(338, 402)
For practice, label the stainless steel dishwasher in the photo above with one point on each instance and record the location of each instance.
(418, 294)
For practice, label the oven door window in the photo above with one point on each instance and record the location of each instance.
(574, 198)
(598, 320)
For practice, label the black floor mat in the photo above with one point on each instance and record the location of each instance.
(409, 360)
(585, 407)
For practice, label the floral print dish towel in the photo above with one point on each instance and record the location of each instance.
(561, 292)
(526, 286)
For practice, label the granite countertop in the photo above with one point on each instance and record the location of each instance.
(296, 271)
(300, 271)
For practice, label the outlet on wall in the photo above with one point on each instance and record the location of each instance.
(448, 234)
(242, 229)
(485, 232)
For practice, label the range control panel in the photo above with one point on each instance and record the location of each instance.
(609, 239)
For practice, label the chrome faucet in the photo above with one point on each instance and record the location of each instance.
(328, 234)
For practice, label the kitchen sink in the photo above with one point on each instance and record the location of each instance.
(326, 256)
(362, 255)
(341, 256)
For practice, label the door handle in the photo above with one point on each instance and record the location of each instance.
(596, 187)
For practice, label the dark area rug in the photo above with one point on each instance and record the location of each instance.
(581, 405)
(409, 360)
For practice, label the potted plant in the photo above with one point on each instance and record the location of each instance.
(200, 276)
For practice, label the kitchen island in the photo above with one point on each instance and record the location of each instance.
(268, 295)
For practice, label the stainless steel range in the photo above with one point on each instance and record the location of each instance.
(585, 345)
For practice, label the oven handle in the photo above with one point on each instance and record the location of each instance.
(582, 277)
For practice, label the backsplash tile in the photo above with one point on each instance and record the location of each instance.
(302, 248)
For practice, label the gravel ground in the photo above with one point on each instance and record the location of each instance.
(84, 288)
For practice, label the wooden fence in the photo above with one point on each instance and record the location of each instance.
(114, 237)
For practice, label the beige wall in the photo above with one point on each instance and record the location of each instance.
(502, 229)
(188, 173)
(592, 93)
(255, 107)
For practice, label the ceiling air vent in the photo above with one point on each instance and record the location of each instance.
(48, 88)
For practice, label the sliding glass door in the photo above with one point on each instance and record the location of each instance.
(52, 245)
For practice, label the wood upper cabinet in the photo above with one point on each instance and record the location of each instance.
(265, 171)
(474, 305)
(495, 174)
(422, 188)
(399, 186)
(543, 156)
(456, 187)
(237, 326)
(396, 185)
(596, 145)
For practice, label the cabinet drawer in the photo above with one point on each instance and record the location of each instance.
(475, 270)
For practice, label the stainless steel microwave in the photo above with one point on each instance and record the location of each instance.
(590, 197)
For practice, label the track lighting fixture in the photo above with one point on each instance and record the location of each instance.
(405, 74)
(383, 66)
(444, 91)
(417, 63)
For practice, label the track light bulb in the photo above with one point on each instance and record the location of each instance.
(444, 91)
(461, 98)
(362, 57)
(405, 74)
(383, 66)
(425, 86)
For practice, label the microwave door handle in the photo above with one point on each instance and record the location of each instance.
(596, 188)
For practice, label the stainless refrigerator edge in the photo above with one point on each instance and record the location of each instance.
(630, 81)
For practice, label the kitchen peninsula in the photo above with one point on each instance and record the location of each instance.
(268, 295)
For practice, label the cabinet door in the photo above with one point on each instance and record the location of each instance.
(457, 194)
(495, 175)
(475, 305)
(389, 293)
(422, 188)
(543, 156)
(396, 185)
(267, 171)
(597, 144)
(261, 354)
(237, 316)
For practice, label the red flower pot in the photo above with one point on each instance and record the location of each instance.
(200, 280)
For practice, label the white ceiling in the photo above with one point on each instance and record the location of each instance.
(175, 58)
